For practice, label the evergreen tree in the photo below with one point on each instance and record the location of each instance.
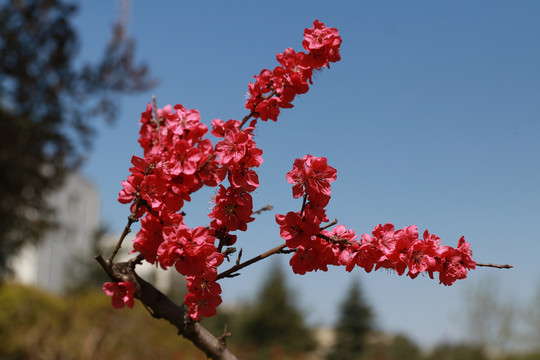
(355, 321)
(274, 324)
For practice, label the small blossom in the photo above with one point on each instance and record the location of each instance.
(121, 293)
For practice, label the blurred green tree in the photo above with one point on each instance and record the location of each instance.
(273, 324)
(458, 352)
(354, 323)
(46, 104)
(397, 347)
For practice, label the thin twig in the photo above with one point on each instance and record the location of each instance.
(506, 266)
(231, 271)
(127, 230)
(157, 119)
(329, 224)
(304, 202)
(223, 338)
(246, 118)
(239, 257)
(154, 102)
(264, 208)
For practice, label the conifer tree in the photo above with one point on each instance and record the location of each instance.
(355, 321)
(274, 321)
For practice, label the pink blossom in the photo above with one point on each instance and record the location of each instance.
(323, 43)
(295, 230)
(232, 211)
(121, 293)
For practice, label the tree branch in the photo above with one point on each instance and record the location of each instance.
(161, 307)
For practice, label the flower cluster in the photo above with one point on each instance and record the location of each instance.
(403, 249)
(178, 161)
(276, 89)
(399, 250)
(237, 155)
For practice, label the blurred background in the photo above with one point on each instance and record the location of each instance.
(431, 118)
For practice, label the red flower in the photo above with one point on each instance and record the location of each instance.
(295, 230)
(233, 148)
(192, 252)
(365, 255)
(121, 293)
(153, 189)
(298, 69)
(243, 179)
(323, 43)
(232, 211)
(384, 238)
(203, 297)
(312, 175)
(182, 158)
(317, 256)
(455, 262)
(131, 187)
(421, 257)
(149, 238)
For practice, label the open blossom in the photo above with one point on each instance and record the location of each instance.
(455, 262)
(323, 43)
(400, 255)
(182, 158)
(316, 256)
(149, 238)
(421, 257)
(297, 69)
(185, 123)
(121, 293)
(296, 230)
(312, 176)
(233, 147)
(132, 186)
(232, 211)
(203, 297)
(190, 251)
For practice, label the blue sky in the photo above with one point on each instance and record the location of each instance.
(431, 118)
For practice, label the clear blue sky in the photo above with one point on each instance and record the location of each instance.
(431, 118)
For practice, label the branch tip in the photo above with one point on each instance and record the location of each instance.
(505, 266)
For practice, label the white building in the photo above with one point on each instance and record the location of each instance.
(53, 262)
